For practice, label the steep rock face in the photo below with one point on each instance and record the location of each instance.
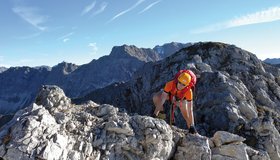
(54, 128)
(119, 66)
(60, 71)
(19, 86)
(59, 74)
(100, 73)
(234, 89)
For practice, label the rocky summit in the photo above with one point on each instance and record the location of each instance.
(235, 92)
(236, 107)
(55, 128)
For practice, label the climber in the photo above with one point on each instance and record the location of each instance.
(179, 93)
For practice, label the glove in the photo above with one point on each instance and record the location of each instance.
(192, 130)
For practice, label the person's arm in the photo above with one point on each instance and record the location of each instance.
(159, 100)
(164, 97)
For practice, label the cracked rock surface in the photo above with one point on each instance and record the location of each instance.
(54, 128)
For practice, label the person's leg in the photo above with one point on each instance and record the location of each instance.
(187, 111)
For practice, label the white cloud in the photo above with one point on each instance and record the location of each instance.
(93, 47)
(149, 6)
(66, 37)
(88, 8)
(101, 9)
(264, 16)
(127, 10)
(269, 15)
(31, 15)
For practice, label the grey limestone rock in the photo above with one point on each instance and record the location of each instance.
(234, 89)
(94, 131)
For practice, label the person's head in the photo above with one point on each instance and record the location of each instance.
(183, 80)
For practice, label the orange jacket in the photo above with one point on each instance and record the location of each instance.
(168, 89)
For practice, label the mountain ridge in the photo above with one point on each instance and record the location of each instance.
(54, 128)
(73, 79)
(2, 69)
(143, 54)
(232, 83)
(273, 61)
(235, 105)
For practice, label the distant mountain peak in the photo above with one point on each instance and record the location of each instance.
(65, 67)
(143, 54)
(63, 63)
(2, 69)
(168, 49)
(75, 80)
(272, 60)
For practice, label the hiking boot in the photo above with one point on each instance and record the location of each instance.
(161, 115)
(192, 130)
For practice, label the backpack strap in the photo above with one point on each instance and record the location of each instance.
(172, 110)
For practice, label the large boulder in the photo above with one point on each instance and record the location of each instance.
(54, 128)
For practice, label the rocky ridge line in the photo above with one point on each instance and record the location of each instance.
(19, 85)
(235, 92)
(54, 128)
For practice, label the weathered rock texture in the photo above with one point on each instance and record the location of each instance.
(235, 92)
(54, 128)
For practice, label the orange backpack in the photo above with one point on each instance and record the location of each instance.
(174, 86)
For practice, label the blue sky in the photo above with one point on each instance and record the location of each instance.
(37, 32)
